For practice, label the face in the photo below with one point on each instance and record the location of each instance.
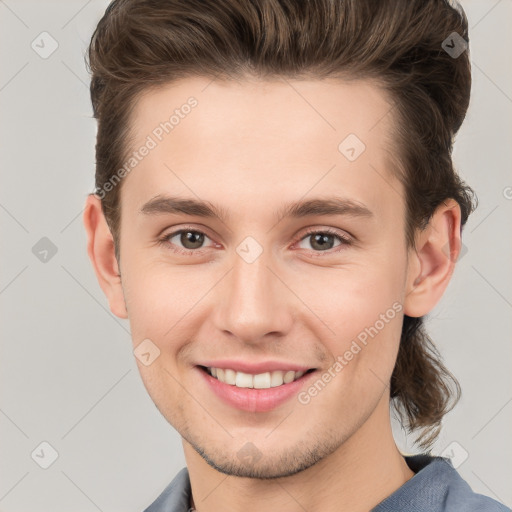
(294, 261)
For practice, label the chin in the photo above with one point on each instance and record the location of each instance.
(250, 462)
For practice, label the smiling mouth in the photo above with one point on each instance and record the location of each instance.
(260, 381)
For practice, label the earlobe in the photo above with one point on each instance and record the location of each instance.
(432, 262)
(100, 247)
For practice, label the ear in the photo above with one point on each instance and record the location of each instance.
(432, 262)
(100, 247)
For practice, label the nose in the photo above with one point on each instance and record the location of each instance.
(252, 302)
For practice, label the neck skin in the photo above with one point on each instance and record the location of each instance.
(363, 471)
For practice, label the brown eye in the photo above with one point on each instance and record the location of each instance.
(185, 240)
(321, 241)
(191, 239)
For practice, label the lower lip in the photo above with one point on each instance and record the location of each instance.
(254, 400)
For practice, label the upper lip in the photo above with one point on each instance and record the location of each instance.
(255, 368)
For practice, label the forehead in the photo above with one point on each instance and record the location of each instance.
(271, 139)
(261, 110)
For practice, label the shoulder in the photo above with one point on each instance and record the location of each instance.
(437, 487)
(459, 495)
(175, 497)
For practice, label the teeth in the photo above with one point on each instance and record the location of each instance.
(288, 377)
(243, 380)
(261, 381)
(230, 377)
(276, 379)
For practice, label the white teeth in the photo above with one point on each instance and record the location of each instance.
(260, 381)
(243, 380)
(230, 377)
(276, 379)
(288, 377)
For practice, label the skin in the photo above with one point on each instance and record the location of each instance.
(249, 147)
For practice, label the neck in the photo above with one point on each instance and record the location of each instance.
(363, 471)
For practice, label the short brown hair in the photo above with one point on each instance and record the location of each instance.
(140, 44)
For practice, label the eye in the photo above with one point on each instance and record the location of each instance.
(190, 240)
(323, 240)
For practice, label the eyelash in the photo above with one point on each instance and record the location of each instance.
(345, 240)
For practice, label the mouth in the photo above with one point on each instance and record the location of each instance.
(265, 380)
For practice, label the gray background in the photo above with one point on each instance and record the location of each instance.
(68, 375)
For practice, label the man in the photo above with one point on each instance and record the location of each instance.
(275, 211)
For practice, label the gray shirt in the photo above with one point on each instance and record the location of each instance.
(436, 487)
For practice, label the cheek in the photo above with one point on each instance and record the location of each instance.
(163, 302)
(151, 305)
(363, 353)
(348, 300)
(363, 309)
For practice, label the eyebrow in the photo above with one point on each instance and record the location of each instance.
(306, 208)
